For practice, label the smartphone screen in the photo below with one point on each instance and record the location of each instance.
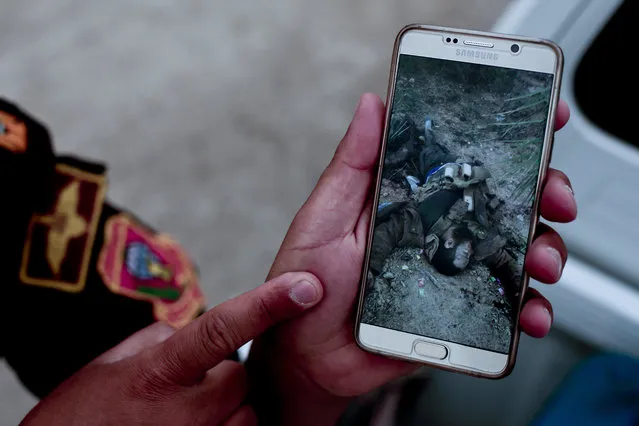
(456, 199)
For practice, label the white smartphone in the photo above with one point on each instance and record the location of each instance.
(467, 142)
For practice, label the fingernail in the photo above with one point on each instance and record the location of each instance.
(359, 104)
(548, 317)
(559, 262)
(569, 189)
(304, 293)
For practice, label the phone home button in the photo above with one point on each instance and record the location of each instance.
(431, 350)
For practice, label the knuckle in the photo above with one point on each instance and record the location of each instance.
(170, 362)
(145, 385)
(264, 310)
(220, 335)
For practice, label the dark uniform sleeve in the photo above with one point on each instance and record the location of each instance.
(25, 168)
(79, 275)
(403, 228)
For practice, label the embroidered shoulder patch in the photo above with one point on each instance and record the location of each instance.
(57, 250)
(13, 133)
(141, 264)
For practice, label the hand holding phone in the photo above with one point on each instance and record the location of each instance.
(313, 363)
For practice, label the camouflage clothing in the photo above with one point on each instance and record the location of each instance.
(410, 151)
(412, 225)
(451, 192)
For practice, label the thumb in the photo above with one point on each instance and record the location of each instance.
(212, 338)
(335, 205)
(145, 338)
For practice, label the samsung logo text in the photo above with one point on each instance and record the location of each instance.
(477, 54)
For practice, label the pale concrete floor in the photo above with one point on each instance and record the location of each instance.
(216, 117)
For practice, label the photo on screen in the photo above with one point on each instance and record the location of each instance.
(458, 185)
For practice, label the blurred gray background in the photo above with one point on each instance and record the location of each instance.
(216, 118)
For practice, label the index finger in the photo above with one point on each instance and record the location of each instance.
(187, 356)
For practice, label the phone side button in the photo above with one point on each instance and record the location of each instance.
(431, 350)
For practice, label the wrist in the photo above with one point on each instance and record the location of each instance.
(283, 395)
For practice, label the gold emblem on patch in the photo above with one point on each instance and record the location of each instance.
(59, 242)
(13, 133)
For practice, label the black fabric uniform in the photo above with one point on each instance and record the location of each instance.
(47, 334)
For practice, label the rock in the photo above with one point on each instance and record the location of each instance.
(388, 275)
(406, 257)
(405, 268)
